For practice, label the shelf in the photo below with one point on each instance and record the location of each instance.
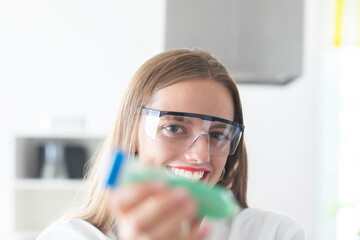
(49, 184)
(39, 198)
(30, 153)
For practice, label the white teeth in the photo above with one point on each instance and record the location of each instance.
(187, 174)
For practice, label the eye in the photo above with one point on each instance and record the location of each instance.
(218, 136)
(174, 129)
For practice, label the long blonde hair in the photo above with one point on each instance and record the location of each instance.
(160, 71)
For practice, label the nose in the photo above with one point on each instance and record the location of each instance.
(198, 150)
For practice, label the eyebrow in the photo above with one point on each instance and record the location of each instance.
(220, 125)
(177, 118)
(188, 120)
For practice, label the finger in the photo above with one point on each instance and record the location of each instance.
(192, 232)
(162, 212)
(176, 224)
(199, 231)
(127, 197)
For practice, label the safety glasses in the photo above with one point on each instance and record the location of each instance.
(180, 131)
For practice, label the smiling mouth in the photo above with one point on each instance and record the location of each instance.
(193, 174)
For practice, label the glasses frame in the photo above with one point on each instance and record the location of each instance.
(158, 113)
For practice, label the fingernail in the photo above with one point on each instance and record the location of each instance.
(204, 229)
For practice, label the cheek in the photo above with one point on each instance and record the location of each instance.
(152, 152)
(218, 164)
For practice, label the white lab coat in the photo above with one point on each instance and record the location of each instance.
(248, 224)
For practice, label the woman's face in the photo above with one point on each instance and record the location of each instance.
(200, 96)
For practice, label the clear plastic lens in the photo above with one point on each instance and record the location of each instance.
(182, 132)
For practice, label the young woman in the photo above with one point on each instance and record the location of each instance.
(182, 112)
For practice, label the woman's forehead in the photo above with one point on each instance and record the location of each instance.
(202, 96)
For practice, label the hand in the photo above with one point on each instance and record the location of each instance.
(153, 211)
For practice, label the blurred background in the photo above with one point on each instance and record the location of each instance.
(64, 66)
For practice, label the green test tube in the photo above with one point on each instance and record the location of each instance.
(213, 201)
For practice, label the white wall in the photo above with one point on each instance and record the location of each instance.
(74, 59)
(283, 139)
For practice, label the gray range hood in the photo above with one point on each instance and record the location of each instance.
(259, 41)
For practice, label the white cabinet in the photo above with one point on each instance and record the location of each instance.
(39, 201)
